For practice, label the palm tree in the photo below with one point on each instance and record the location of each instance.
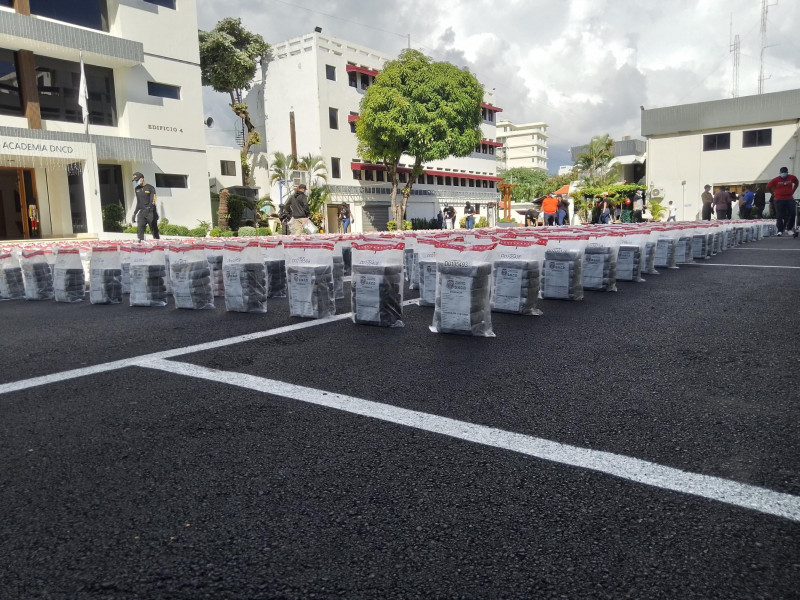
(316, 168)
(282, 166)
(593, 164)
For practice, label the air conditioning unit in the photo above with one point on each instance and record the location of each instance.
(657, 193)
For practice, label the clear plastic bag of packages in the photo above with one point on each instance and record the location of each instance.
(463, 303)
(309, 276)
(12, 286)
(148, 272)
(37, 275)
(69, 279)
(274, 256)
(245, 277)
(665, 250)
(338, 269)
(562, 275)
(631, 256)
(600, 263)
(426, 265)
(377, 283)
(684, 247)
(125, 263)
(214, 255)
(191, 276)
(516, 275)
(105, 283)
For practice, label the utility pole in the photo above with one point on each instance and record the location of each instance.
(735, 49)
(764, 12)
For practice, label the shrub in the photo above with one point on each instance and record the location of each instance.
(392, 226)
(198, 232)
(263, 231)
(113, 216)
(246, 231)
(482, 222)
(226, 233)
(216, 232)
(130, 230)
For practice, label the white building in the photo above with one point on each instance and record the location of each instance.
(145, 106)
(728, 142)
(318, 82)
(524, 145)
(224, 167)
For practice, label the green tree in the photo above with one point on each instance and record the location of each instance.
(527, 181)
(229, 55)
(281, 168)
(316, 168)
(594, 163)
(424, 109)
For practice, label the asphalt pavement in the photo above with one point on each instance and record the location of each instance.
(173, 454)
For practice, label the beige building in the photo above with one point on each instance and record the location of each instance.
(728, 142)
(524, 145)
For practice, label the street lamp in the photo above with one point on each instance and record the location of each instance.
(683, 200)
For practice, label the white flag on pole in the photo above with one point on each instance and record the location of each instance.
(83, 95)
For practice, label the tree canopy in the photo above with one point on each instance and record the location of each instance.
(594, 163)
(424, 109)
(229, 56)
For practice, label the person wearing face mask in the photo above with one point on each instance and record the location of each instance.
(783, 188)
(145, 213)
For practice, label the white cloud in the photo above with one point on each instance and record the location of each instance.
(582, 66)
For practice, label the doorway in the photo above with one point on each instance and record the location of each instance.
(19, 207)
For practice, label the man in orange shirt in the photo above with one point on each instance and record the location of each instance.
(549, 208)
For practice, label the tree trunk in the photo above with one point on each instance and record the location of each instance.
(396, 209)
(222, 212)
(251, 137)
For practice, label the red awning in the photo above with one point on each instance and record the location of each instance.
(352, 118)
(463, 175)
(490, 107)
(491, 143)
(357, 69)
(564, 189)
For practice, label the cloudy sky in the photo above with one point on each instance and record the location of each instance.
(582, 66)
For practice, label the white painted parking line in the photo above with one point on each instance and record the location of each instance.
(767, 249)
(633, 469)
(702, 264)
(23, 384)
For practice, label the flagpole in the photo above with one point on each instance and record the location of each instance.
(83, 102)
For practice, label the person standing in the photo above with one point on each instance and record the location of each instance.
(759, 201)
(145, 213)
(530, 217)
(638, 207)
(440, 219)
(345, 218)
(748, 199)
(671, 212)
(450, 217)
(549, 209)
(294, 209)
(605, 209)
(469, 212)
(734, 199)
(562, 211)
(722, 204)
(783, 187)
(708, 199)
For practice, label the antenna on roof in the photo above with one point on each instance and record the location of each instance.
(764, 46)
(735, 49)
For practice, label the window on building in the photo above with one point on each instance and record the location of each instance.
(366, 81)
(439, 180)
(356, 174)
(333, 118)
(227, 167)
(429, 179)
(379, 176)
(352, 79)
(59, 81)
(10, 103)
(491, 150)
(757, 137)
(353, 123)
(448, 180)
(86, 13)
(716, 141)
(163, 90)
(367, 175)
(8, 3)
(336, 168)
(401, 177)
(491, 184)
(164, 3)
(330, 72)
(471, 182)
(171, 180)
(456, 181)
